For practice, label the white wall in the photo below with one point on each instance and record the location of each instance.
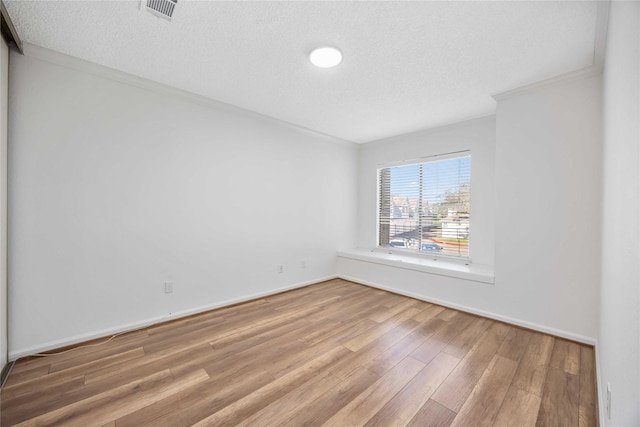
(538, 173)
(619, 336)
(548, 187)
(476, 135)
(116, 188)
(4, 90)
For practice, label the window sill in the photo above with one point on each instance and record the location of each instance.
(474, 272)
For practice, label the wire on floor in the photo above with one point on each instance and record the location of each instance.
(99, 343)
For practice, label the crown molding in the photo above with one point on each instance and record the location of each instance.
(602, 27)
(548, 83)
(9, 32)
(112, 74)
(595, 69)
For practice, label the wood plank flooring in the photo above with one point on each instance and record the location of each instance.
(334, 354)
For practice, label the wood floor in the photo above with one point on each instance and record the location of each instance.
(335, 354)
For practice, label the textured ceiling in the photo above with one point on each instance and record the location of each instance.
(407, 65)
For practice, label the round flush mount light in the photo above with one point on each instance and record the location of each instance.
(325, 57)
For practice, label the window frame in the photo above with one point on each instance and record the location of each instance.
(417, 252)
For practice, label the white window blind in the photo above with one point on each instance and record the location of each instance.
(425, 207)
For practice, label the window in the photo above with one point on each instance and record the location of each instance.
(424, 206)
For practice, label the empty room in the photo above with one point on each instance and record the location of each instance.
(319, 213)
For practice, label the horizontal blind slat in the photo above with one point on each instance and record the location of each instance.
(423, 203)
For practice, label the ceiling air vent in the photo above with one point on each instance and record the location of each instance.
(161, 8)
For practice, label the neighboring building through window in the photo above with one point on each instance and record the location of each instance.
(424, 206)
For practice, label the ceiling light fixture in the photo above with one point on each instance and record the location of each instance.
(325, 57)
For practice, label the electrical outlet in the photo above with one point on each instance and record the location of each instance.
(303, 264)
(168, 287)
(280, 269)
(608, 401)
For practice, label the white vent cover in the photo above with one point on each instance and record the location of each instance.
(161, 8)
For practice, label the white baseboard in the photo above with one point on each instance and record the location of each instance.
(600, 392)
(517, 322)
(14, 355)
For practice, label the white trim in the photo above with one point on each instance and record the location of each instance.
(548, 83)
(599, 390)
(414, 253)
(596, 67)
(517, 322)
(102, 71)
(426, 159)
(602, 26)
(4, 254)
(473, 272)
(444, 127)
(103, 333)
(146, 323)
(10, 33)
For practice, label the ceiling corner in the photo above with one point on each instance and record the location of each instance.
(600, 43)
